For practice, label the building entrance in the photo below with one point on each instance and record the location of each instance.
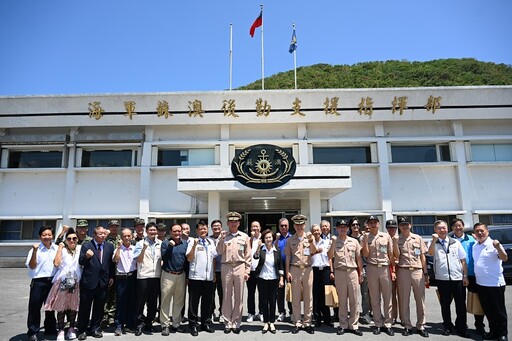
(266, 220)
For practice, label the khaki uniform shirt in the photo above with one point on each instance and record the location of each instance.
(236, 249)
(410, 250)
(345, 253)
(297, 250)
(380, 248)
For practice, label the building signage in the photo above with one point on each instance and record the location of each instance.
(263, 166)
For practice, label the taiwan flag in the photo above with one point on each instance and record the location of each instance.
(257, 23)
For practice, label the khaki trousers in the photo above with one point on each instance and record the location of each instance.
(394, 300)
(379, 285)
(233, 285)
(302, 286)
(347, 287)
(172, 287)
(406, 279)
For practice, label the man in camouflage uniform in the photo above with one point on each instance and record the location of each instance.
(138, 225)
(82, 227)
(110, 305)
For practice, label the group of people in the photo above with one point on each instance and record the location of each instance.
(131, 279)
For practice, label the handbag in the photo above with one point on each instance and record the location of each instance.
(68, 283)
(331, 296)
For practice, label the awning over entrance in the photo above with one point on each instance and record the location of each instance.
(328, 180)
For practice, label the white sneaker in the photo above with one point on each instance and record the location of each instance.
(261, 318)
(71, 333)
(250, 318)
(221, 319)
(281, 317)
(61, 335)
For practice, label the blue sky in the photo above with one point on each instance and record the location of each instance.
(114, 46)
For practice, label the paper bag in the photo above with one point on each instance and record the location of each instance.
(331, 296)
(473, 303)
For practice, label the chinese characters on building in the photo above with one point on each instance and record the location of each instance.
(264, 109)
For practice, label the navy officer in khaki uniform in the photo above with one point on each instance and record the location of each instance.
(298, 251)
(410, 250)
(377, 247)
(235, 248)
(348, 266)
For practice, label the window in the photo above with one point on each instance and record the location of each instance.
(491, 152)
(341, 155)
(495, 219)
(23, 229)
(186, 157)
(424, 225)
(35, 159)
(109, 158)
(426, 153)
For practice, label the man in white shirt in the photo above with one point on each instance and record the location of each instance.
(488, 256)
(252, 282)
(41, 270)
(321, 275)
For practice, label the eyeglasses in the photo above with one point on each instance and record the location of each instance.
(72, 239)
(283, 225)
(355, 225)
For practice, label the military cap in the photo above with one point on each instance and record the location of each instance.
(82, 223)
(372, 217)
(404, 220)
(299, 219)
(161, 226)
(234, 216)
(139, 221)
(113, 222)
(391, 223)
(341, 222)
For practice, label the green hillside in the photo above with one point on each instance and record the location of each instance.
(390, 74)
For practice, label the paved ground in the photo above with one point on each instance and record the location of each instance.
(14, 289)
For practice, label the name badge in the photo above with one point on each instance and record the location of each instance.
(307, 252)
(383, 249)
(417, 252)
(241, 247)
(200, 248)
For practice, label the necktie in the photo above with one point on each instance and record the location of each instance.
(100, 253)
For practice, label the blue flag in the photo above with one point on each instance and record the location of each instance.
(293, 44)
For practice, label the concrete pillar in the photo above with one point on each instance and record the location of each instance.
(213, 208)
(465, 194)
(145, 175)
(315, 208)
(384, 176)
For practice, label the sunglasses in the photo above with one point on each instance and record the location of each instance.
(72, 239)
(355, 225)
(283, 225)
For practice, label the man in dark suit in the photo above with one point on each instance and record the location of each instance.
(98, 274)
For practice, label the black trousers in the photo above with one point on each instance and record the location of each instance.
(281, 299)
(252, 284)
(147, 295)
(455, 290)
(39, 290)
(321, 312)
(125, 309)
(492, 300)
(267, 290)
(217, 287)
(200, 291)
(95, 298)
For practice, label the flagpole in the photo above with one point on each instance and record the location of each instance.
(230, 57)
(262, 55)
(295, 62)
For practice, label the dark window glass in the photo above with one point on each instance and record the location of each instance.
(341, 155)
(23, 229)
(35, 159)
(171, 157)
(238, 151)
(107, 158)
(10, 230)
(502, 219)
(404, 154)
(444, 152)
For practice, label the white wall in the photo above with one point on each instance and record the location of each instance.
(365, 192)
(491, 186)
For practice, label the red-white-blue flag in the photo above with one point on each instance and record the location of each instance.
(257, 23)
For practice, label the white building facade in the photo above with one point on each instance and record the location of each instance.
(425, 153)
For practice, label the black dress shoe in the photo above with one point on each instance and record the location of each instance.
(407, 332)
(165, 331)
(177, 329)
(340, 331)
(309, 330)
(489, 336)
(97, 334)
(207, 328)
(50, 332)
(193, 331)
(376, 331)
(389, 331)
(446, 332)
(138, 332)
(330, 324)
(227, 330)
(295, 330)
(503, 338)
(148, 329)
(33, 337)
(82, 336)
(357, 332)
(236, 330)
(423, 332)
